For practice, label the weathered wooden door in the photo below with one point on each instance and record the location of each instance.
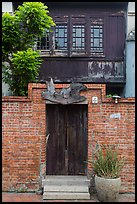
(67, 144)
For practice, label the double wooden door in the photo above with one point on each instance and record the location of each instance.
(66, 151)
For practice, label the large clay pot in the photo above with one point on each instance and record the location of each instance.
(107, 189)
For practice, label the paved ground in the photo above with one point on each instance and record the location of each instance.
(32, 197)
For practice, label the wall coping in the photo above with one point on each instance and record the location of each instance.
(32, 86)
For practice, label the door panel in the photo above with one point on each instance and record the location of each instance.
(67, 144)
(55, 146)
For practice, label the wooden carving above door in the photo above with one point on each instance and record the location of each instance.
(67, 95)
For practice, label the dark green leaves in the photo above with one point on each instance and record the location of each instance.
(107, 163)
(25, 70)
(19, 34)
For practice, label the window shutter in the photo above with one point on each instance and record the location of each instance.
(115, 37)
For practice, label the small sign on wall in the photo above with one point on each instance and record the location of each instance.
(115, 115)
(94, 99)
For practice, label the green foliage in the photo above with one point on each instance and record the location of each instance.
(20, 32)
(26, 69)
(34, 16)
(107, 163)
(110, 95)
(10, 35)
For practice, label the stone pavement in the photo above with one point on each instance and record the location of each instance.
(33, 197)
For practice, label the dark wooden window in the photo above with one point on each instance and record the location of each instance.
(43, 43)
(77, 28)
(61, 37)
(61, 40)
(78, 37)
(86, 36)
(97, 36)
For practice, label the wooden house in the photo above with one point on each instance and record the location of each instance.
(87, 45)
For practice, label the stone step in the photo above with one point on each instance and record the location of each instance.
(65, 195)
(65, 177)
(66, 188)
(65, 180)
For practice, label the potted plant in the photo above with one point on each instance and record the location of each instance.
(106, 166)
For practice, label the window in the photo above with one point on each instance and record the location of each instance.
(96, 38)
(96, 43)
(61, 37)
(43, 43)
(78, 37)
(74, 36)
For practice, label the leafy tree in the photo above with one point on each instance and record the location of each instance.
(20, 32)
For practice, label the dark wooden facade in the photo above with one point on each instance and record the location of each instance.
(86, 65)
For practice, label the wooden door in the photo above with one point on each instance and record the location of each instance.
(67, 144)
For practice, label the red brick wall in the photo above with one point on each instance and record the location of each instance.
(104, 129)
(23, 127)
(24, 131)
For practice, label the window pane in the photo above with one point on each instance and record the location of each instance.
(78, 42)
(96, 32)
(74, 34)
(100, 27)
(96, 42)
(60, 43)
(78, 32)
(61, 33)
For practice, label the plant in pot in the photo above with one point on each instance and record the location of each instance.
(106, 166)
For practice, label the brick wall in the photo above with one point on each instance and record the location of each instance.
(23, 140)
(24, 131)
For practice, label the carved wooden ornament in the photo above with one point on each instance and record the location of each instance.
(67, 95)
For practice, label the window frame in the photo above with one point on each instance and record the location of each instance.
(77, 20)
(39, 41)
(61, 37)
(59, 20)
(71, 21)
(98, 21)
(81, 27)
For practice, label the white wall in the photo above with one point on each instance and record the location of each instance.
(129, 90)
(131, 17)
(7, 7)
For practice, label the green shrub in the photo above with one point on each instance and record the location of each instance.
(107, 163)
(20, 31)
(25, 69)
